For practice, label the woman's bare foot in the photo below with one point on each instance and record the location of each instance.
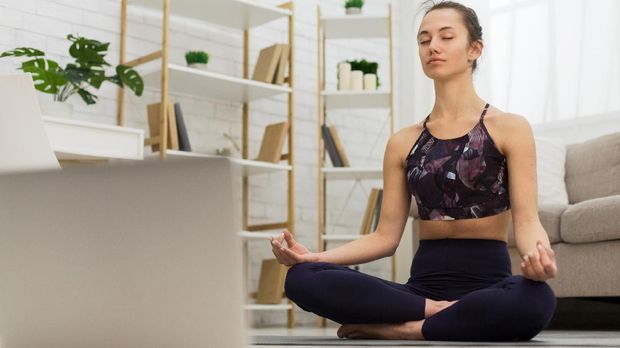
(432, 307)
(411, 330)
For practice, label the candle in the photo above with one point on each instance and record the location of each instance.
(344, 76)
(357, 80)
(370, 82)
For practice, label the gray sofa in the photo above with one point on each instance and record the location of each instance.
(585, 234)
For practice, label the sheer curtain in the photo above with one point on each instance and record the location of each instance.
(547, 60)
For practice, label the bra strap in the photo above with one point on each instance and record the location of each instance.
(486, 107)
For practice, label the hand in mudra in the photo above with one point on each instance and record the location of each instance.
(292, 252)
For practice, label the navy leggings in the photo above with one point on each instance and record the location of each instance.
(493, 304)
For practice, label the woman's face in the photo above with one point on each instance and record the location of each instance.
(443, 36)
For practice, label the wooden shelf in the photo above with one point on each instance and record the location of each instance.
(340, 237)
(262, 307)
(352, 173)
(80, 140)
(248, 167)
(204, 83)
(356, 100)
(355, 26)
(237, 14)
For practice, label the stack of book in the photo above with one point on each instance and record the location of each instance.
(334, 146)
(177, 132)
(271, 64)
(373, 211)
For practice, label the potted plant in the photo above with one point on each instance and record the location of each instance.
(197, 59)
(88, 70)
(353, 6)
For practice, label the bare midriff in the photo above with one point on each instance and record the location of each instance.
(488, 227)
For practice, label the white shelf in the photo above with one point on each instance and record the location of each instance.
(204, 83)
(341, 237)
(258, 235)
(238, 14)
(352, 173)
(261, 307)
(356, 100)
(79, 140)
(355, 26)
(249, 167)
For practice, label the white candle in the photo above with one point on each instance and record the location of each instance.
(357, 80)
(344, 76)
(370, 82)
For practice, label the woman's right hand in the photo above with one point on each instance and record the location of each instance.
(292, 252)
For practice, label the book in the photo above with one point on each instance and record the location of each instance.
(283, 61)
(267, 63)
(370, 207)
(330, 146)
(271, 282)
(377, 210)
(273, 140)
(339, 148)
(153, 113)
(184, 144)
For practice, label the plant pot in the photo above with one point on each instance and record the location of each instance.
(353, 10)
(201, 66)
(57, 109)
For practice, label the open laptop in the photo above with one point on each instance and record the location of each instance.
(127, 255)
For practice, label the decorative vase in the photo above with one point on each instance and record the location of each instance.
(353, 10)
(357, 80)
(201, 66)
(344, 76)
(56, 109)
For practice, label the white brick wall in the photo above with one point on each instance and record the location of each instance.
(44, 24)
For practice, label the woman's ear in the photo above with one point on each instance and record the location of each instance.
(475, 50)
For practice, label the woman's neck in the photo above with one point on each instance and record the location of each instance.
(456, 98)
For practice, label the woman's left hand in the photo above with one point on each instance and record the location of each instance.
(542, 267)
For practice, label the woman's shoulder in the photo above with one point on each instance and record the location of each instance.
(502, 126)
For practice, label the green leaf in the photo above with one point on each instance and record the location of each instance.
(45, 73)
(130, 78)
(88, 97)
(87, 52)
(23, 51)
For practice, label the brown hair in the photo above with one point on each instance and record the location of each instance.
(470, 19)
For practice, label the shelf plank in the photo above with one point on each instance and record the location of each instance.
(236, 14)
(203, 83)
(355, 26)
(356, 100)
(248, 167)
(340, 237)
(81, 140)
(353, 173)
(258, 235)
(259, 307)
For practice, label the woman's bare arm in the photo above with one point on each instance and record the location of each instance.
(396, 202)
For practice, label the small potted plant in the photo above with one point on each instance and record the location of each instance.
(197, 59)
(353, 6)
(87, 71)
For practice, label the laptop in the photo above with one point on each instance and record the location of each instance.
(125, 255)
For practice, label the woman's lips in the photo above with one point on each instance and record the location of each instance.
(436, 61)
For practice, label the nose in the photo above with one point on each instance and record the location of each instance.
(433, 45)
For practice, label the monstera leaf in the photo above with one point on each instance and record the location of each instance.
(23, 51)
(47, 74)
(87, 52)
(130, 78)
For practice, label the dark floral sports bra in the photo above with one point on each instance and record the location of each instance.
(460, 178)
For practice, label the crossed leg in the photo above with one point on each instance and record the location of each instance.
(515, 308)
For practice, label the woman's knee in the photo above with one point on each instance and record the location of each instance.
(537, 302)
(299, 278)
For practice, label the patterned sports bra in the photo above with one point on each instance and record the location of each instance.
(460, 178)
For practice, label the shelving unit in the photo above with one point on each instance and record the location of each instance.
(348, 27)
(162, 75)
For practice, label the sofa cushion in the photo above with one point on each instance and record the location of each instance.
(592, 220)
(593, 168)
(550, 171)
(549, 215)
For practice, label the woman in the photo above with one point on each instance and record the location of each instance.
(465, 186)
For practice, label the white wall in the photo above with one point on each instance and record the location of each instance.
(44, 24)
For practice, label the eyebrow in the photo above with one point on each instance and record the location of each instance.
(426, 32)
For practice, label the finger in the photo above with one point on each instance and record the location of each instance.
(292, 255)
(545, 261)
(280, 255)
(537, 268)
(289, 238)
